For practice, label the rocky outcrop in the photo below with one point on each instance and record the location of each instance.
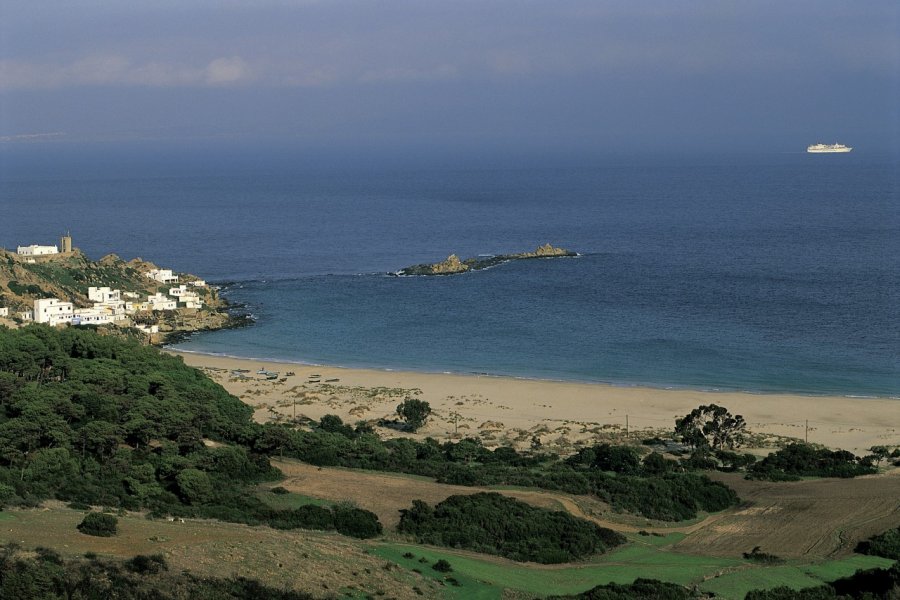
(453, 265)
(448, 267)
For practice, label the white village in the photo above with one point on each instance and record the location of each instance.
(109, 306)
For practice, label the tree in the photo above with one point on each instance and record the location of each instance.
(711, 426)
(99, 524)
(195, 486)
(415, 412)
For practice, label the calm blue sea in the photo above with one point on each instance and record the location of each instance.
(780, 273)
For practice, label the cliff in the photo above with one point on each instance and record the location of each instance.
(453, 265)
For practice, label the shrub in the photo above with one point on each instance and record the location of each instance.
(496, 524)
(757, 555)
(442, 566)
(356, 522)
(144, 564)
(803, 460)
(886, 544)
(98, 524)
(415, 412)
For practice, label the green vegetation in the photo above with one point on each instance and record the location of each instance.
(641, 589)
(738, 583)
(726, 578)
(442, 566)
(886, 544)
(103, 421)
(802, 460)
(711, 426)
(31, 289)
(99, 524)
(871, 584)
(757, 555)
(496, 524)
(648, 491)
(486, 578)
(414, 412)
(50, 577)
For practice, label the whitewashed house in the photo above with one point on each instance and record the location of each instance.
(198, 283)
(191, 301)
(109, 301)
(35, 250)
(53, 311)
(4, 312)
(177, 292)
(189, 298)
(160, 301)
(163, 275)
(92, 316)
(149, 329)
(26, 315)
(104, 295)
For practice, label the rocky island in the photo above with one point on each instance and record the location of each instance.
(453, 265)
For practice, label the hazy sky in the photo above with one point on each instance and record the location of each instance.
(565, 76)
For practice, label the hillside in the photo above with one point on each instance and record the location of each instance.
(68, 276)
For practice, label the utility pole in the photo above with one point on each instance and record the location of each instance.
(626, 426)
(806, 432)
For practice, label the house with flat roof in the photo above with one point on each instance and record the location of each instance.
(35, 250)
(53, 311)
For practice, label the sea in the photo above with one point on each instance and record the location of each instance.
(770, 273)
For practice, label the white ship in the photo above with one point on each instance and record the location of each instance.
(827, 148)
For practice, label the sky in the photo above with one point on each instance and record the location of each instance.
(565, 77)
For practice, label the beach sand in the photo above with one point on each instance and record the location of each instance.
(560, 415)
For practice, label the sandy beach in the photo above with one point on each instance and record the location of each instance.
(561, 415)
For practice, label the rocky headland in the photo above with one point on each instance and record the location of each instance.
(68, 276)
(453, 265)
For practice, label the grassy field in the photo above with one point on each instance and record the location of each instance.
(487, 577)
(736, 585)
(477, 577)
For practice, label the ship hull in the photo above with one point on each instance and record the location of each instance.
(828, 149)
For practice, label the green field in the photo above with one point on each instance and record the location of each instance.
(736, 585)
(485, 578)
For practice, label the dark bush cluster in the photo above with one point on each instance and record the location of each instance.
(98, 420)
(496, 524)
(757, 555)
(885, 544)
(802, 460)
(99, 524)
(641, 589)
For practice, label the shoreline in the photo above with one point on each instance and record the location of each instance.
(562, 415)
(612, 384)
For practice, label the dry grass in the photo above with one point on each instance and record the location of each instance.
(821, 518)
(315, 562)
